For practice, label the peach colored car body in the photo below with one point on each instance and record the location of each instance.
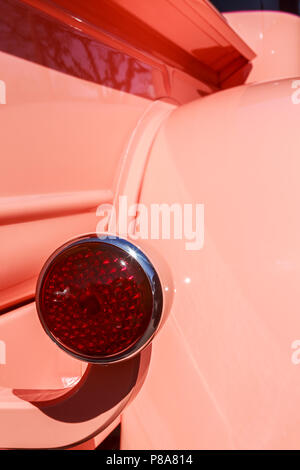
(208, 115)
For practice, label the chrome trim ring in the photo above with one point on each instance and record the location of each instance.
(153, 279)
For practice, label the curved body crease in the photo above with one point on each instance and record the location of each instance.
(201, 114)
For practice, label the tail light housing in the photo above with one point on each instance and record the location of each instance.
(99, 299)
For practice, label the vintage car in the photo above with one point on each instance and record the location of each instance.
(150, 233)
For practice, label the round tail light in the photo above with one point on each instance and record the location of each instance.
(99, 299)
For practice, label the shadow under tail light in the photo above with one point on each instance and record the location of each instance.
(100, 300)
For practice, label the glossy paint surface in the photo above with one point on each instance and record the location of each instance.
(274, 37)
(224, 372)
(33, 35)
(59, 157)
(64, 142)
(195, 39)
(81, 109)
(74, 101)
(66, 145)
(47, 398)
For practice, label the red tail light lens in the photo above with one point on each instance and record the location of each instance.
(100, 300)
